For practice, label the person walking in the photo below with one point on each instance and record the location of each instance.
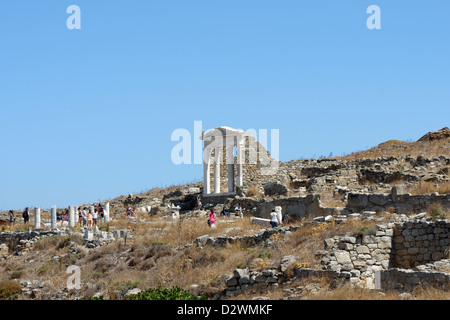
(84, 215)
(212, 218)
(274, 220)
(95, 216)
(80, 217)
(89, 218)
(199, 203)
(12, 218)
(101, 212)
(26, 215)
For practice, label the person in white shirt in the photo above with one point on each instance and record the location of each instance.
(95, 216)
(274, 220)
(84, 215)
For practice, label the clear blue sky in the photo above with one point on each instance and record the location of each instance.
(88, 114)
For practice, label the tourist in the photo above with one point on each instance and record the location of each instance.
(80, 217)
(66, 216)
(101, 212)
(129, 211)
(12, 218)
(199, 203)
(224, 212)
(95, 216)
(84, 215)
(274, 220)
(212, 218)
(26, 215)
(89, 218)
(238, 210)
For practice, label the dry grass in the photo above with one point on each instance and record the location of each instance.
(255, 192)
(329, 199)
(159, 254)
(398, 148)
(423, 187)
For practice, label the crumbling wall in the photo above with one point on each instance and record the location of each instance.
(408, 280)
(404, 244)
(420, 242)
(400, 203)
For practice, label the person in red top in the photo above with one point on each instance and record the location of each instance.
(212, 219)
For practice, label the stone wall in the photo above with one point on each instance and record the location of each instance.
(408, 280)
(420, 242)
(401, 203)
(21, 242)
(316, 175)
(359, 255)
(311, 205)
(248, 240)
(286, 272)
(403, 244)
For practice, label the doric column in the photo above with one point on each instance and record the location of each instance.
(240, 161)
(37, 218)
(217, 157)
(230, 162)
(206, 174)
(106, 212)
(53, 218)
(72, 216)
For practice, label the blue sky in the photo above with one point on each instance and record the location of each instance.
(87, 115)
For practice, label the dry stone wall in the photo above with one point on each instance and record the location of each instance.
(421, 242)
(401, 203)
(365, 175)
(394, 245)
(408, 279)
(311, 205)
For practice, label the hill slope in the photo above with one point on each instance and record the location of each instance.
(432, 144)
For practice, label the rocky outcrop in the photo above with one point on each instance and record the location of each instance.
(444, 133)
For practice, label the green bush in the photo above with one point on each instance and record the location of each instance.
(9, 288)
(437, 212)
(363, 231)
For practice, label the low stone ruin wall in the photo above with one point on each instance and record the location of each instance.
(298, 207)
(359, 256)
(366, 259)
(248, 240)
(311, 206)
(420, 242)
(23, 241)
(409, 280)
(288, 270)
(405, 245)
(401, 203)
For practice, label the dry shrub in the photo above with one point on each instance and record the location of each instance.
(254, 192)
(158, 250)
(436, 211)
(208, 258)
(9, 289)
(103, 265)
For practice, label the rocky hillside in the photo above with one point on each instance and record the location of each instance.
(432, 144)
(152, 249)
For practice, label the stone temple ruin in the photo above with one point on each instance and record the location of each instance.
(408, 250)
(384, 258)
(232, 159)
(239, 169)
